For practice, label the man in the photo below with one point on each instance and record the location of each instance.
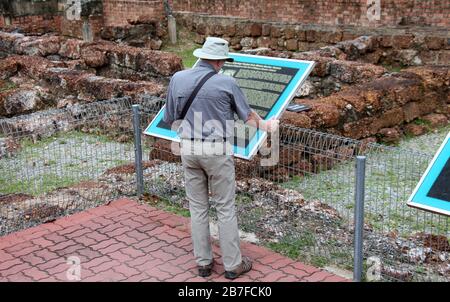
(207, 126)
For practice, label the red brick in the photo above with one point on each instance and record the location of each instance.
(104, 244)
(19, 277)
(295, 272)
(149, 227)
(131, 223)
(271, 258)
(184, 243)
(116, 213)
(55, 237)
(112, 248)
(62, 267)
(159, 230)
(95, 262)
(281, 263)
(79, 233)
(5, 256)
(145, 243)
(92, 225)
(318, 276)
(5, 265)
(132, 252)
(175, 251)
(51, 263)
(336, 279)
(154, 247)
(122, 203)
(126, 270)
(143, 221)
(159, 274)
(182, 277)
(86, 241)
(42, 242)
(170, 268)
(138, 261)
(33, 259)
(308, 269)
(119, 256)
(168, 238)
(46, 254)
(178, 234)
(19, 247)
(105, 266)
(35, 274)
(62, 245)
(139, 278)
(110, 228)
(97, 236)
(36, 235)
(88, 253)
(108, 276)
(118, 232)
(139, 211)
(69, 230)
(272, 277)
(25, 251)
(137, 235)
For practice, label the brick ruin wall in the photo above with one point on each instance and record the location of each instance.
(408, 45)
(326, 12)
(118, 12)
(350, 93)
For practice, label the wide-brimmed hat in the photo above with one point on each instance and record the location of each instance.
(214, 49)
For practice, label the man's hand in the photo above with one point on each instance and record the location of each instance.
(255, 120)
(271, 125)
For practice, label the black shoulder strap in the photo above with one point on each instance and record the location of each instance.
(194, 94)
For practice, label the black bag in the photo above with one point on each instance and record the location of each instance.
(194, 94)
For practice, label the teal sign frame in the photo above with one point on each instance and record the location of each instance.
(423, 196)
(303, 69)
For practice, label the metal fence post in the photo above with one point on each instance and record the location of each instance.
(359, 218)
(138, 149)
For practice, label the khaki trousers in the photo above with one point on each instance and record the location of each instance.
(214, 173)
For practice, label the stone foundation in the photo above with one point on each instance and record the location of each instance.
(40, 72)
(407, 46)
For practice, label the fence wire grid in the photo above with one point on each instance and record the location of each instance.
(59, 162)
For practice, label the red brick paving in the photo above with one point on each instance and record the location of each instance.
(126, 241)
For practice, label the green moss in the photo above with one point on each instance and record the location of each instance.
(38, 185)
(184, 47)
(7, 85)
(319, 261)
(291, 246)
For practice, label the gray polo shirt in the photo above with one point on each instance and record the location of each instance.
(211, 115)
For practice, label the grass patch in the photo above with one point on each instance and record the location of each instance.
(291, 246)
(165, 204)
(393, 68)
(391, 176)
(38, 185)
(7, 85)
(59, 161)
(184, 47)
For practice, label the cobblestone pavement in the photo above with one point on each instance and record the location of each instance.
(127, 241)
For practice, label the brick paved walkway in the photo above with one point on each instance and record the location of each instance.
(126, 241)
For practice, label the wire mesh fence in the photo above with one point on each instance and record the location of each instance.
(58, 162)
(63, 161)
(303, 206)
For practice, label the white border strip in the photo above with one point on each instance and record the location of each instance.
(422, 179)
